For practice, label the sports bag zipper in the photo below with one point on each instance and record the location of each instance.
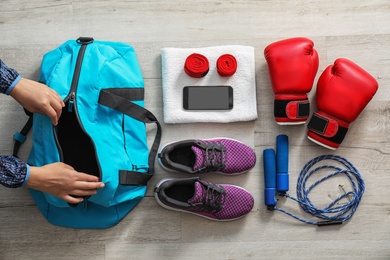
(70, 98)
(84, 41)
(58, 144)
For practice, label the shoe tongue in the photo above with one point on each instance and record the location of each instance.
(198, 194)
(199, 158)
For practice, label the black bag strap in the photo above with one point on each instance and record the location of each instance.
(113, 98)
(20, 137)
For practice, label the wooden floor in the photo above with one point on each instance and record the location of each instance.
(354, 29)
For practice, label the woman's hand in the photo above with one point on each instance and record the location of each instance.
(62, 181)
(38, 98)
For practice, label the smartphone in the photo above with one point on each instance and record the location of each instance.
(208, 98)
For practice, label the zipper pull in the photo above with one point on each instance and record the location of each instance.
(71, 102)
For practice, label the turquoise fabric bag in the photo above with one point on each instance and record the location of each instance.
(101, 131)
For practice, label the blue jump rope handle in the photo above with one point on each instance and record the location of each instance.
(269, 178)
(282, 180)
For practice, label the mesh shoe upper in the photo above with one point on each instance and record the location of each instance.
(214, 201)
(221, 201)
(222, 155)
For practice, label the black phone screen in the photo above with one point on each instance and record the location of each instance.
(208, 97)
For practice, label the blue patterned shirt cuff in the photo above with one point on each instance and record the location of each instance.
(11, 87)
(27, 175)
(13, 171)
(8, 77)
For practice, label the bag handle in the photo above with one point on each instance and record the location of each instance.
(113, 98)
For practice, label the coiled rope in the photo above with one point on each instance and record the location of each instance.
(334, 213)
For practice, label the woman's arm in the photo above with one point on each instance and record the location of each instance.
(33, 96)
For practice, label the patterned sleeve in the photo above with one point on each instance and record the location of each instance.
(13, 172)
(8, 78)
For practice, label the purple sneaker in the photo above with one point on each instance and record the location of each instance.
(220, 202)
(220, 155)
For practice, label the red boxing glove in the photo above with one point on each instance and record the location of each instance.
(292, 65)
(343, 91)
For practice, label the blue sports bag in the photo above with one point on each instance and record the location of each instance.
(101, 131)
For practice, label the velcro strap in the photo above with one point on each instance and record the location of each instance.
(292, 109)
(134, 178)
(329, 129)
(19, 137)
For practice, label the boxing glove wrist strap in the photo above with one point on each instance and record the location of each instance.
(292, 109)
(328, 129)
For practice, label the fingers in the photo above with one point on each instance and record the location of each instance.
(86, 177)
(52, 107)
(56, 104)
(37, 97)
(86, 189)
(83, 193)
(53, 114)
(57, 98)
(80, 180)
(72, 200)
(83, 185)
(61, 180)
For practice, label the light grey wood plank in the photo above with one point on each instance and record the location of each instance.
(285, 249)
(140, 225)
(148, 21)
(44, 250)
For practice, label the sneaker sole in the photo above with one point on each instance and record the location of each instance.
(193, 213)
(211, 139)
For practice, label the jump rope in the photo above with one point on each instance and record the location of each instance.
(277, 183)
